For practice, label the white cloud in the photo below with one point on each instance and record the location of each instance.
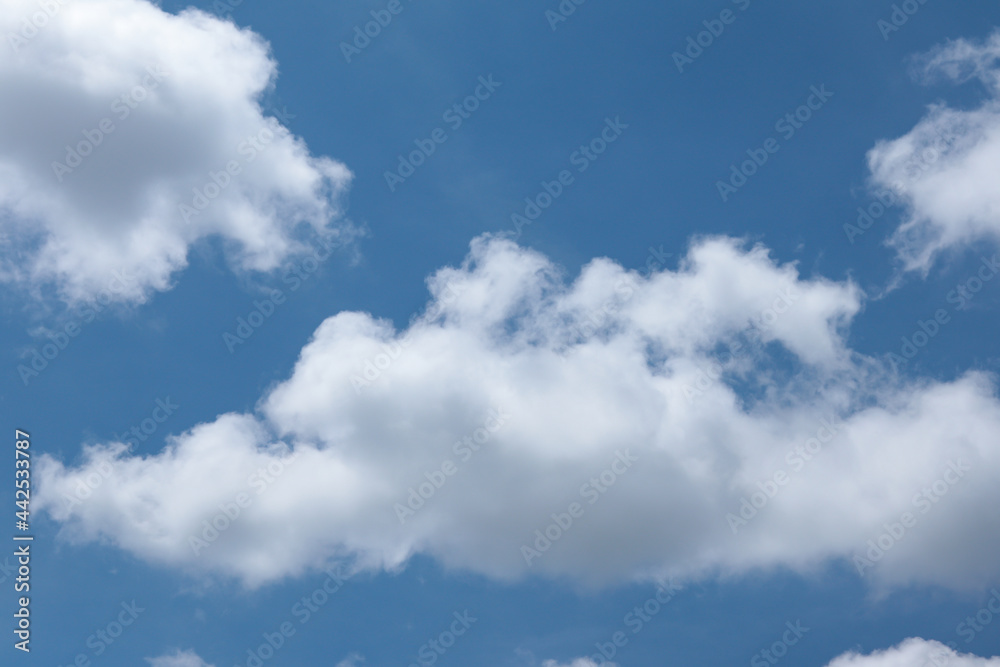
(914, 652)
(353, 660)
(945, 168)
(581, 373)
(178, 659)
(179, 94)
(579, 662)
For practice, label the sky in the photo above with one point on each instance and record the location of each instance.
(558, 334)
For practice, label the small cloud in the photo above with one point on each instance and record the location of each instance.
(353, 660)
(944, 169)
(914, 651)
(178, 659)
(579, 662)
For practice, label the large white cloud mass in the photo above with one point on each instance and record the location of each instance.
(915, 652)
(682, 422)
(945, 168)
(127, 134)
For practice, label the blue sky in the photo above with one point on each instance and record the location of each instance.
(427, 279)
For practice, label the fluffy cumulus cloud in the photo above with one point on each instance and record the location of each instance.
(128, 134)
(611, 426)
(915, 652)
(178, 659)
(944, 169)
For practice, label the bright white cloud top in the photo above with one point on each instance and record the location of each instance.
(579, 662)
(519, 401)
(915, 652)
(945, 169)
(128, 134)
(178, 659)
